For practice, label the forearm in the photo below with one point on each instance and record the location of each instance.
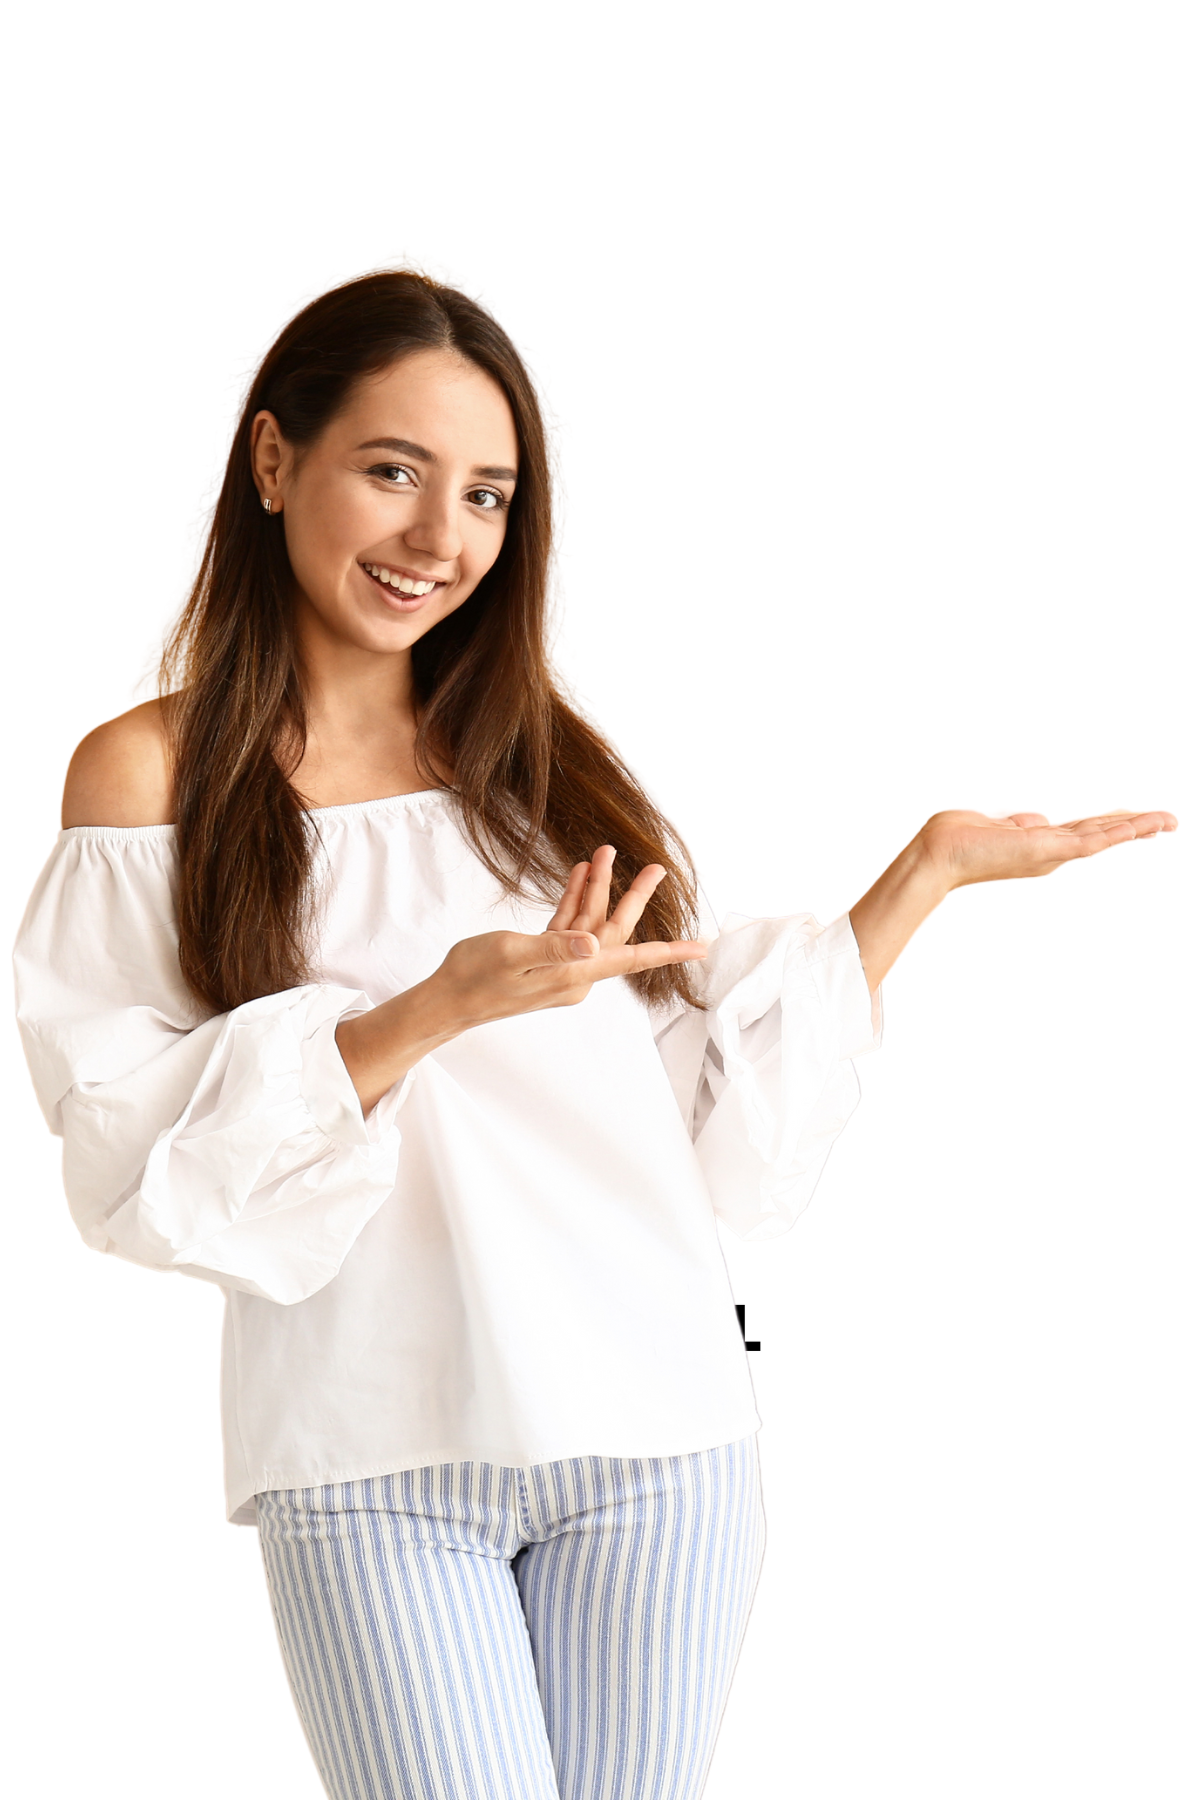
(381, 1046)
(889, 913)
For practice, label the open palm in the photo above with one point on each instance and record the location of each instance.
(971, 847)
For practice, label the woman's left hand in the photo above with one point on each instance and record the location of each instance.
(954, 849)
(967, 846)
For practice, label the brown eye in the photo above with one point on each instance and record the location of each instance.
(485, 498)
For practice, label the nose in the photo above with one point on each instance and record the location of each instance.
(434, 529)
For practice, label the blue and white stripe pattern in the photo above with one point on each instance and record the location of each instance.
(476, 1632)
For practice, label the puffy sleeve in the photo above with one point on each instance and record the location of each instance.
(232, 1148)
(764, 1077)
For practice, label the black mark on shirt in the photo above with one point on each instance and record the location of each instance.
(750, 1343)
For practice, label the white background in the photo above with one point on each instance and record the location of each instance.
(868, 334)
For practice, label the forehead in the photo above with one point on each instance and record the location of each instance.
(439, 399)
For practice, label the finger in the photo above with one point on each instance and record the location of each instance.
(1089, 837)
(657, 955)
(1090, 843)
(1145, 824)
(633, 903)
(1125, 831)
(594, 909)
(1027, 820)
(1119, 828)
(568, 906)
(596, 963)
(1104, 819)
(564, 946)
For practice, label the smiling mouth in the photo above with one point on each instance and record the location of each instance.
(402, 590)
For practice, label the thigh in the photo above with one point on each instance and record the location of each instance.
(637, 1593)
(404, 1637)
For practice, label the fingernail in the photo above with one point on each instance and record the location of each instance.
(583, 947)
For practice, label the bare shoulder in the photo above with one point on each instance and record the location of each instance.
(121, 773)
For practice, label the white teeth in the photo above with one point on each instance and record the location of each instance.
(402, 583)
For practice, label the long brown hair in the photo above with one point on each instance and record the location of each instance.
(538, 787)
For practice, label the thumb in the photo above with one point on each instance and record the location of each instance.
(566, 946)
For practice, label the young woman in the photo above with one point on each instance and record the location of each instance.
(364, 981)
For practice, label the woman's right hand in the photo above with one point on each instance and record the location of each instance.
(505, 972)
(502, 973)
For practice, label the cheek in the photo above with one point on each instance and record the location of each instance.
(325, 536)
(350, 522)
(481, 548)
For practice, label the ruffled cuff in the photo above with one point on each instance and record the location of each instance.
(789, 1008)
(855, 1013)
(330, 1094)
(270, 1173)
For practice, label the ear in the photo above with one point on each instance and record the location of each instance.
(270, 459)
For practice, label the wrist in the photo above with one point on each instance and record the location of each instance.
(430, 1013)
(379, 1047)
(909, 889)
(927, 864)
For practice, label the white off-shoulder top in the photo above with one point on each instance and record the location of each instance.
(514, 1258)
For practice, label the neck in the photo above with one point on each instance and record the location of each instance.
(349, 688)
(361, 721)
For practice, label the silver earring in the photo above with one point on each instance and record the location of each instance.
(266, 503)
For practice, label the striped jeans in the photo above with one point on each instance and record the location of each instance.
(477, 1632)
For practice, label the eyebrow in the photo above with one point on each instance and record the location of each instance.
(492, 471)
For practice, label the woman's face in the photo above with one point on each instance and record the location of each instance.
(398, 510)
